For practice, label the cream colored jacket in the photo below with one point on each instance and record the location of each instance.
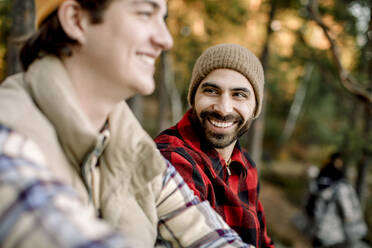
(118, 172)
(43, 107)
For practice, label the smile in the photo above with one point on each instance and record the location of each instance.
(221, 124)
(147, 59)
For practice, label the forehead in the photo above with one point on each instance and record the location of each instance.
(227, 79)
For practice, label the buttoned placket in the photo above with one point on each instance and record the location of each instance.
(89, 168)
(227, 167)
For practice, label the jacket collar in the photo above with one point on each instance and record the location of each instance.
(129, 160)
(54, 94)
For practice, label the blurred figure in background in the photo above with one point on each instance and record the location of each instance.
(312, 171)
(333, 208)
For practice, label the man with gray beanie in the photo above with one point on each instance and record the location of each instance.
(225, 95)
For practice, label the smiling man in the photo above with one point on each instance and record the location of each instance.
(76, 167)
(225, 95)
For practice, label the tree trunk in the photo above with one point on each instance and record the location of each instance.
(363, 165)
(174, 95)
(168, 96)
(258, 128)
(361, 182)
(296, 106)
(355, 111)
(22, 15)
(163, 103)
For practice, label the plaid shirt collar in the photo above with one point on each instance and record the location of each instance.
(193, 135)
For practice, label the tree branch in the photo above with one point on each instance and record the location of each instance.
(346, 79)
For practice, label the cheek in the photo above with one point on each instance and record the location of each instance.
(251, 109)
(199, 104)
(247, 111)
(197, 110)
(252, 105)
(202, 102)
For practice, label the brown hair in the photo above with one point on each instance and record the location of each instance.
(51, 39)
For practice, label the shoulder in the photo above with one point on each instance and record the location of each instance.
(170, 140)
(170, 136)
(13, 78)
(174, 148)
(248, 160)
(13, 93)
(17, 105)
(13, 87)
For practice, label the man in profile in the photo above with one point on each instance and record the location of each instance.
(76, 168)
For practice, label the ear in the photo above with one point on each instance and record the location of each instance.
(73, 19)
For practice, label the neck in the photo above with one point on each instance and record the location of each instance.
(95, 97)
(226, 152)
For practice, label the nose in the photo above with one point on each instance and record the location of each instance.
(224, 105)
(162, 37)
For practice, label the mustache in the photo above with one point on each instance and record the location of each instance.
(215, 115)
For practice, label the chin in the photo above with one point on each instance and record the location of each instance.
(146, 88)
(147, 91)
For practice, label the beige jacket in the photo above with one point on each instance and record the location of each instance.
(43, 107)
(119, 174)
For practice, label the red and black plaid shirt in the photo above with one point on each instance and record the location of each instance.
(235, 196)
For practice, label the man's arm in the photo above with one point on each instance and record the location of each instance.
(36, 210)
(187, 222)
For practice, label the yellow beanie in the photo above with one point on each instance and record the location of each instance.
(44, 8)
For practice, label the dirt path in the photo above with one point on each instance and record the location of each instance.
(279, 213)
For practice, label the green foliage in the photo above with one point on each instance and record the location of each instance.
(231, 11)
(5, 21)
(287, 4)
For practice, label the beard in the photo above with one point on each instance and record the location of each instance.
(221, 140)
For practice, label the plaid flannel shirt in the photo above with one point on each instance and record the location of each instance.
(235, 196)
(36, 210)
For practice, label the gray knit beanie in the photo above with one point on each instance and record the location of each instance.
(229, 56)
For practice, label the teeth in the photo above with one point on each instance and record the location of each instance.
(148, 59)
(221, 124)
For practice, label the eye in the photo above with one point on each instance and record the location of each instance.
(240, 95)
(210, 91)
(145, 9)
(145, 13)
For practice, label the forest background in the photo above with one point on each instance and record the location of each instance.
(317, 58)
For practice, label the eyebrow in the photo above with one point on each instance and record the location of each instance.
(154, 4)
(243, 89)
(209, 84)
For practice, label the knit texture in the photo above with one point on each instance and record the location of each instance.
(44, 8)
(229, 56)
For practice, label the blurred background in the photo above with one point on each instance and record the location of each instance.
(317, 58)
